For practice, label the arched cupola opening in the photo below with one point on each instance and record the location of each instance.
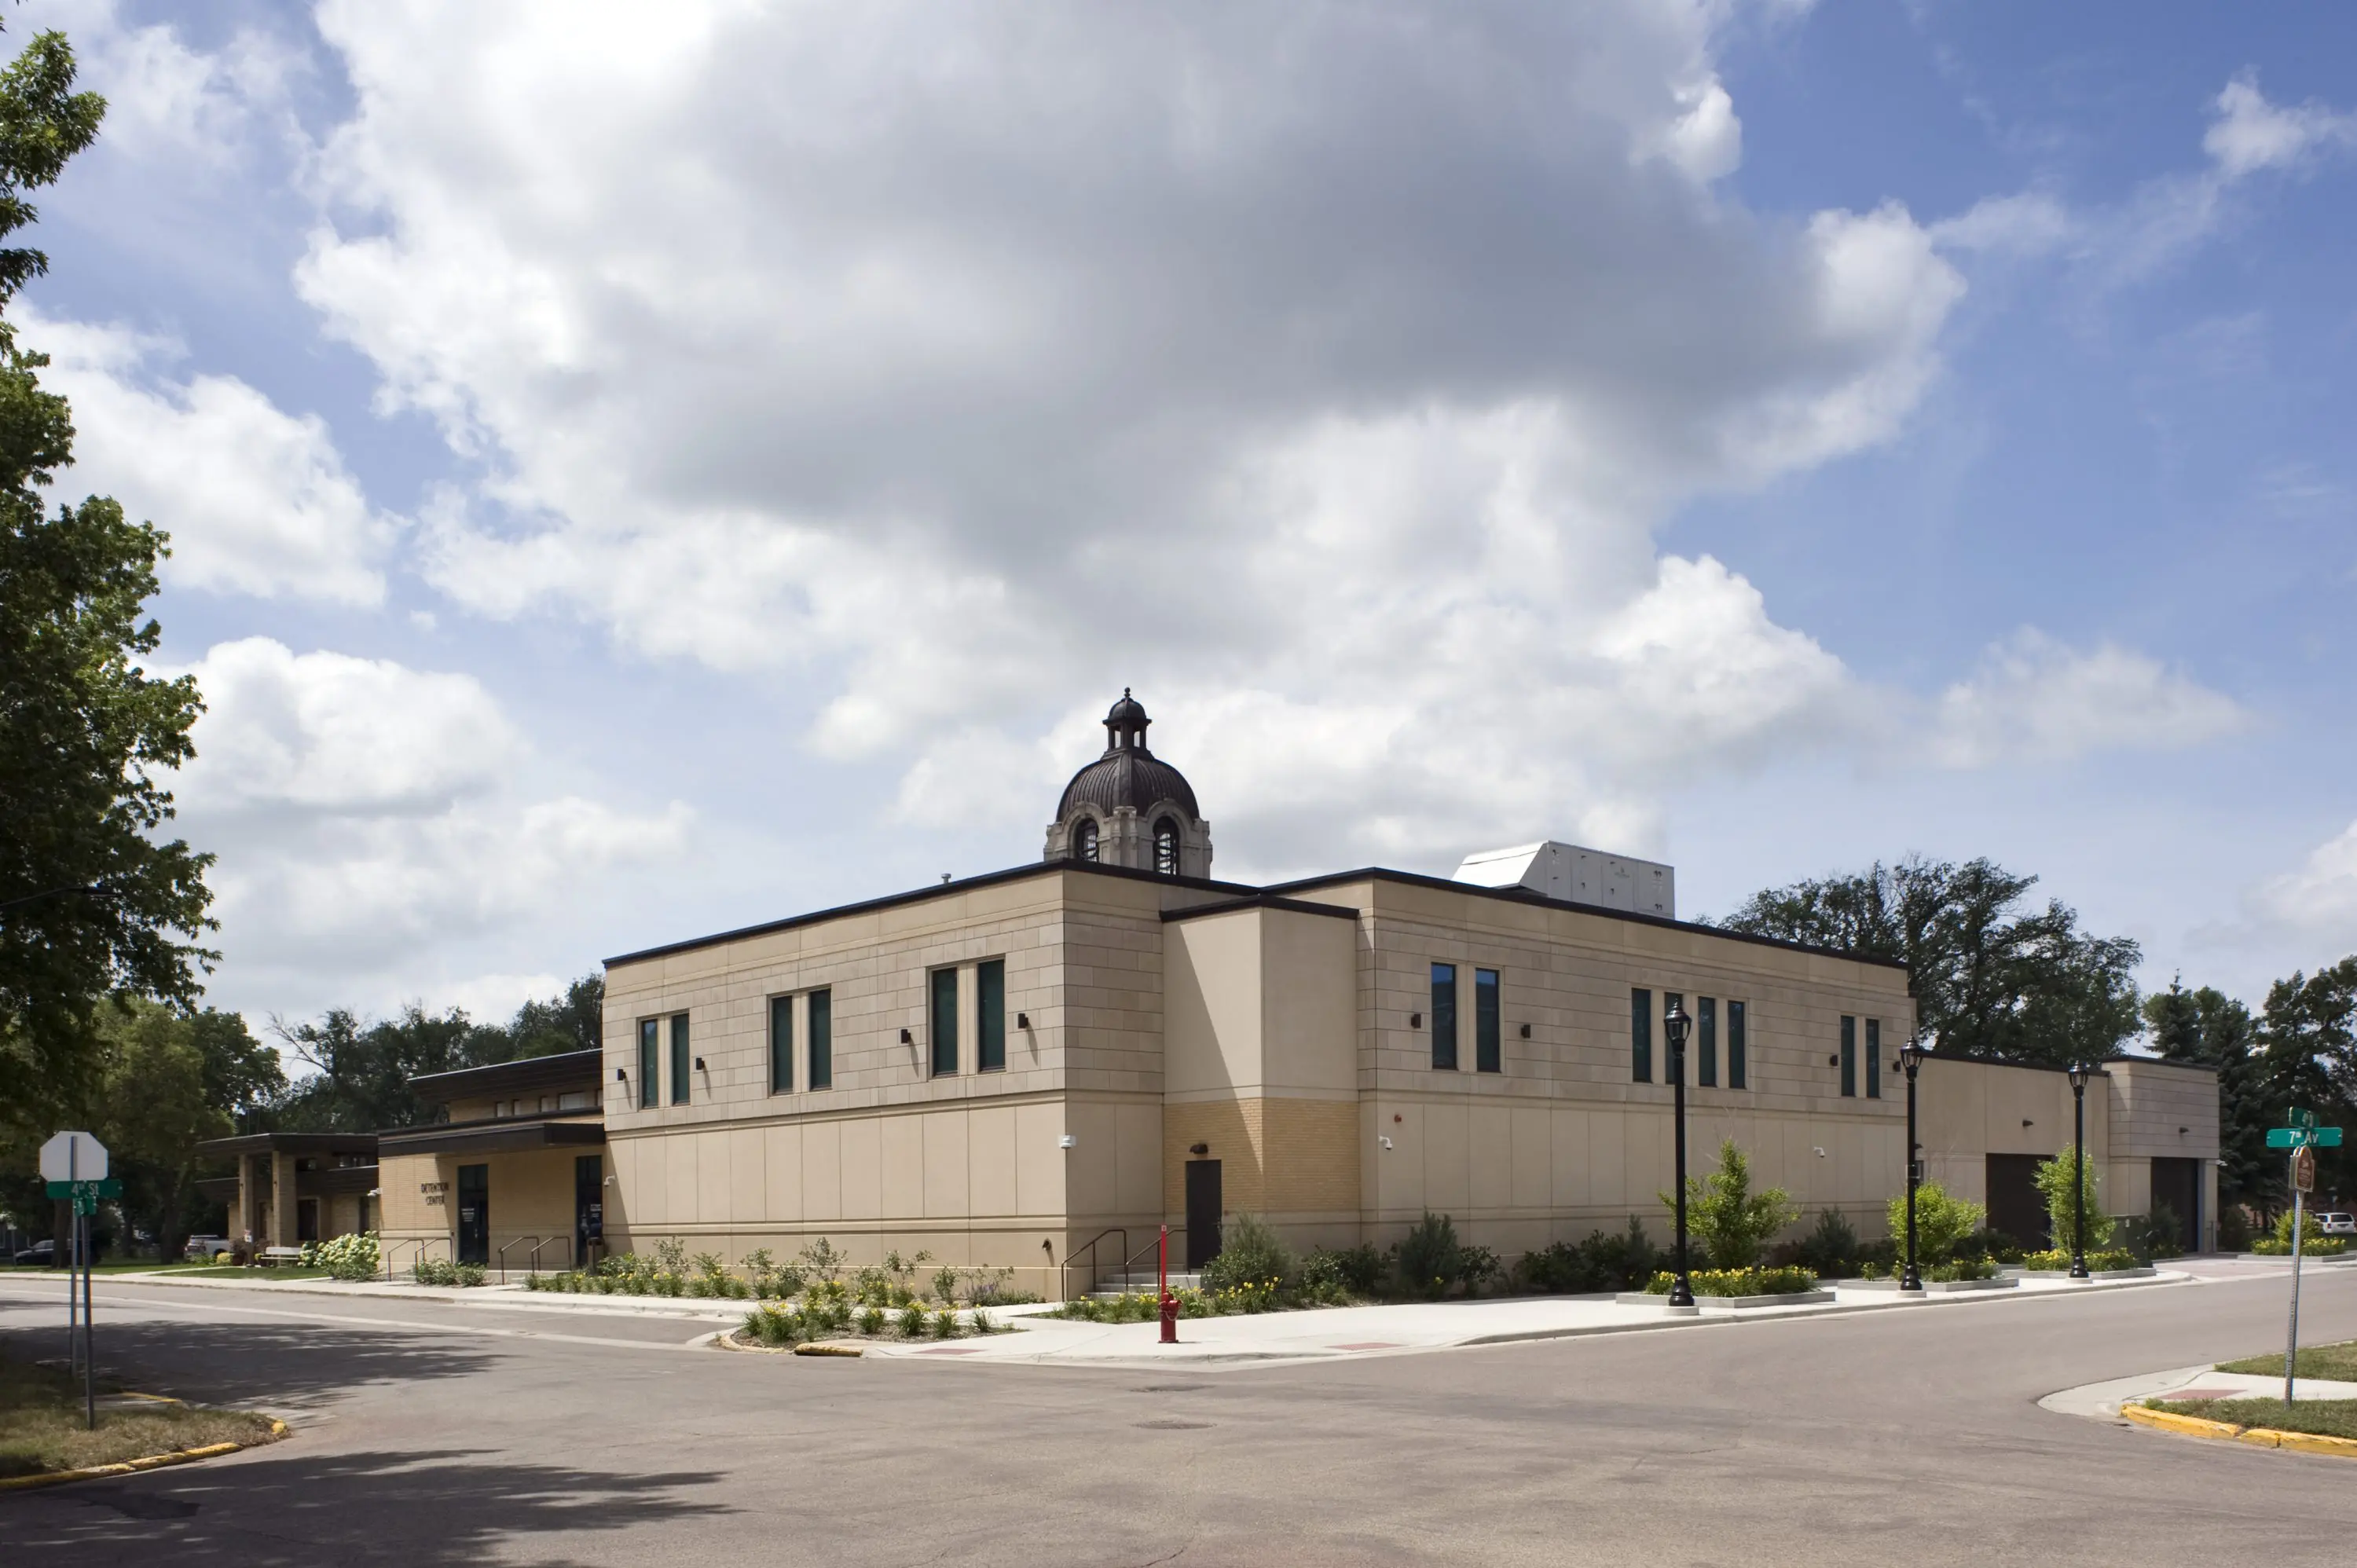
(1166, 847)
(1084, 839)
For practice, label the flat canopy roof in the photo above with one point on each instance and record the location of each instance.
(291, 1144)
(567, 1069)
(508, 1135)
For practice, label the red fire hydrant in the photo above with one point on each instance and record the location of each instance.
(1169, 1302)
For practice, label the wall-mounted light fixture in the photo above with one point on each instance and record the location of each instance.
(1527, 1031)
(2028, 1122)
(2182, 1131)
(1199, 1150)
(699, 1064)
(1415, 1020)
(1023, 1020)
(622, 1075)
(1834, 1060)
(907, 1038)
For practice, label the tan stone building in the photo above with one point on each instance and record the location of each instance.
(1037, 1068)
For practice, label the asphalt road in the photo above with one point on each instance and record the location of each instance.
(429, 1435)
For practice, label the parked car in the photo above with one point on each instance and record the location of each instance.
(2337, 1224)
(204, 1248)
(39, 1256)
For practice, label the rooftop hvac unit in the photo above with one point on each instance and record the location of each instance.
(1579, 875)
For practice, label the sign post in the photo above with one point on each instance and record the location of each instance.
(74, 1164)
(2303, 1138)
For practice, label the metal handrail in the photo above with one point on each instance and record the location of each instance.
(534, 1258)
(1064, 1273)
(394, 1246)
(513, 1241)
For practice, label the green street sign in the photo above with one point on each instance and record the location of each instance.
(2308, 1137)
(92, 1190)
(2299, 1118)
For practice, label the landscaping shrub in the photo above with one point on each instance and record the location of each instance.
(1249, 1250)
(2158, 1234)
(1737, 1282)
(2054, 1185)
(2234, 1229)
(1953, 1269)
(1430, 1257)
(2328, 1246)
(1604, 1262)
(1942, 1224)
(1361, 1270)
(1731, 1221)
(2104, 1262)
(353, 1257)
(1830, 1248)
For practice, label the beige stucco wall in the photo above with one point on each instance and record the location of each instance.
(531, 1198)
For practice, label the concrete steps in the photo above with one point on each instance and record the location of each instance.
(1134, 1282)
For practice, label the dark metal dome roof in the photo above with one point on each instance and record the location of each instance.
(1127, 774)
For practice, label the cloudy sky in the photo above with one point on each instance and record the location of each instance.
(635, 470)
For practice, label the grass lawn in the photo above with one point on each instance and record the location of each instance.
(41, 1425)
(2326, 1418)
(2335, 1361)
(229, 1271)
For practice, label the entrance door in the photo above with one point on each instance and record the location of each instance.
(2015, 1208)
(307, 1219)
(589, 1205)
(2177, 1183)
(474, 1214)
(1202, 1212)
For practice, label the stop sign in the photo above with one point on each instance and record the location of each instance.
(73, 1156)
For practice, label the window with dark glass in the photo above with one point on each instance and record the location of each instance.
(944, 1022)
(1165, 848)
(1641, 1036)
(650, 1062)
(1444, 1016)
(990, 1015)
(680, 1058)
(1672, 1001)
(1488, 1055)
(781, 1044)
(1736, 1065)
(1849, 1057)
(820, 1024)
(1084, 839)
(1874, 1059)
(1706, 1041)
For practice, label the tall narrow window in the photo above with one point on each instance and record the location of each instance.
(1641, 1036)
(1849, 1057)
(781, 1044)
(944, 1022)
(1672, 1002)
(1736, 1065)
(650, 1062)
(990, 1015)
(1488, 1056)
(1874, 1059)
(680, 1058)
(1165, 848)
(821, 1023)
(1706, 1042)
(1444, 1016)
(1084, 839)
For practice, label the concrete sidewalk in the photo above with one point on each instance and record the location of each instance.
(510, 1294)
(2102, 1401)
(1328, 1333)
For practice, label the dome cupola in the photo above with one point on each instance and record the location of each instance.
(1129, 807)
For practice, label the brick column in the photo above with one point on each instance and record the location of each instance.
(282, 1201)
(249, 1200)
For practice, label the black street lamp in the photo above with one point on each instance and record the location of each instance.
(2078, 1172)
(1910, 1061)
(1676, 1024)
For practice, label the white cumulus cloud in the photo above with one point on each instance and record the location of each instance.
(2035, 699)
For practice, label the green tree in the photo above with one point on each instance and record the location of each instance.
(93, 903)
(1732, 1222)
(360, 1071)
(2208, 1028)
(174, 1079)
(2054, 1186)
(573, 1021)
(2308, 1058)
(1942, 1223)
(1993, 976)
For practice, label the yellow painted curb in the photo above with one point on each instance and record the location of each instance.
(132, 1466)
(2257, 1436)
(2170, 1421)
(813, 1347)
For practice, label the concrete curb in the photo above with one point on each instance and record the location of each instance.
(2258, 1436)
(489, 1297)
(147, 1462)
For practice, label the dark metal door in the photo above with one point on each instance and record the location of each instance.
(474, 1214)
(2177, 1185)
(589, 1205)
(1202, 1212)
(2015, 1208)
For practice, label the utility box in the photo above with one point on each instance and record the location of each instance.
(1577, 876)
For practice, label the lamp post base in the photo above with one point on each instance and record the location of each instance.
(1910, 1280)
(1682, 1294)
(2079, 1269)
